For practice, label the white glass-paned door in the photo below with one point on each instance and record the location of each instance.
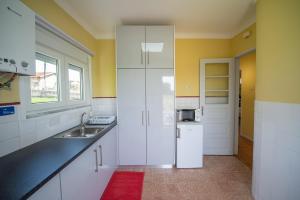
(217, 105)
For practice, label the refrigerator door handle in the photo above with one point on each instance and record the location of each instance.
(178, 133)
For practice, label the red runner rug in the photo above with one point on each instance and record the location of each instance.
(124, 186)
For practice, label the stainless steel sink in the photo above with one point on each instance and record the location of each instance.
(80, 132)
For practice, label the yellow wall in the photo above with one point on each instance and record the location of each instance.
(59, 18)
(104, 77)
(188, 53)
(11, 95)
(248, 66)
(240, 44)
(278, 47)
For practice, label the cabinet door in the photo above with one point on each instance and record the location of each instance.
(107, 147)
(130, 40)
(50, 191)
(160, 116)
(189, 146)
(79, 178)
(131, 116)
(160, 46)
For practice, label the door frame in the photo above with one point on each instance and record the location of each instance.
(237, 93)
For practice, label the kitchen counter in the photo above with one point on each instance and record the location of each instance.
(25, 171)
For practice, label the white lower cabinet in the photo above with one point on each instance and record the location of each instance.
(107, 163)
(50, 191)
(87, 176)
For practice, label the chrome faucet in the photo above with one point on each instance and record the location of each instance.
(82, 124)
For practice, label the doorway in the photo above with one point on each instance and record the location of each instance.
(246, 72)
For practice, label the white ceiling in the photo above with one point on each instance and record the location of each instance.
(192, 18)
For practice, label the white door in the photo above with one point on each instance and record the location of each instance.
(131, 116)
(160, 116)
(160, 46)
(217, 105)
(129, 43)
(189, 145)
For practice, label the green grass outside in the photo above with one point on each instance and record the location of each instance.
(43, 99)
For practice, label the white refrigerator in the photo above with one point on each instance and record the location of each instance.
(189, 152)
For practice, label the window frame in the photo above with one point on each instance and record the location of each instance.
(71, 62)
(63, 84)
(58, 87)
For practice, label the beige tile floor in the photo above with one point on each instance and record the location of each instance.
(222, 178)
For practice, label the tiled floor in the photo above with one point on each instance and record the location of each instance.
(222, 178)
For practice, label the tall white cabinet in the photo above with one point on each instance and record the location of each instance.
(146, 95)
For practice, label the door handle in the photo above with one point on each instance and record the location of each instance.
(96, 154)
(148, 59)
(143, 118)
(148, 117)
(178, 133)
(202, 110)
(142, 59)
(101, 159)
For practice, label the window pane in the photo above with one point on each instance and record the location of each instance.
(44, 85)
(75, 83)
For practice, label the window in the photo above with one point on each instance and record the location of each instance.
(75, 82)
(62, 79)
(44, 85)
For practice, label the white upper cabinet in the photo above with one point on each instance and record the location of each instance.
(145, 46)
(159, 46)
(129, 46)
(17, 50)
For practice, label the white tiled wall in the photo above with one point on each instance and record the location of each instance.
(187, 102)
(9, 133)
(105, 106)
(276, 164)
(17, 132)
(108, 106)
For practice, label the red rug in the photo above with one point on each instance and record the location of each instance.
(124, 186)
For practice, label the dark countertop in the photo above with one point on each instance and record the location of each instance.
(24, 171)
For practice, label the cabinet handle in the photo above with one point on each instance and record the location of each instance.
(101, 160)
(95, 150)
(142, 56)
(202, 110)
(148, 55)
(143, 118)
(178, 133)
(148, 117)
